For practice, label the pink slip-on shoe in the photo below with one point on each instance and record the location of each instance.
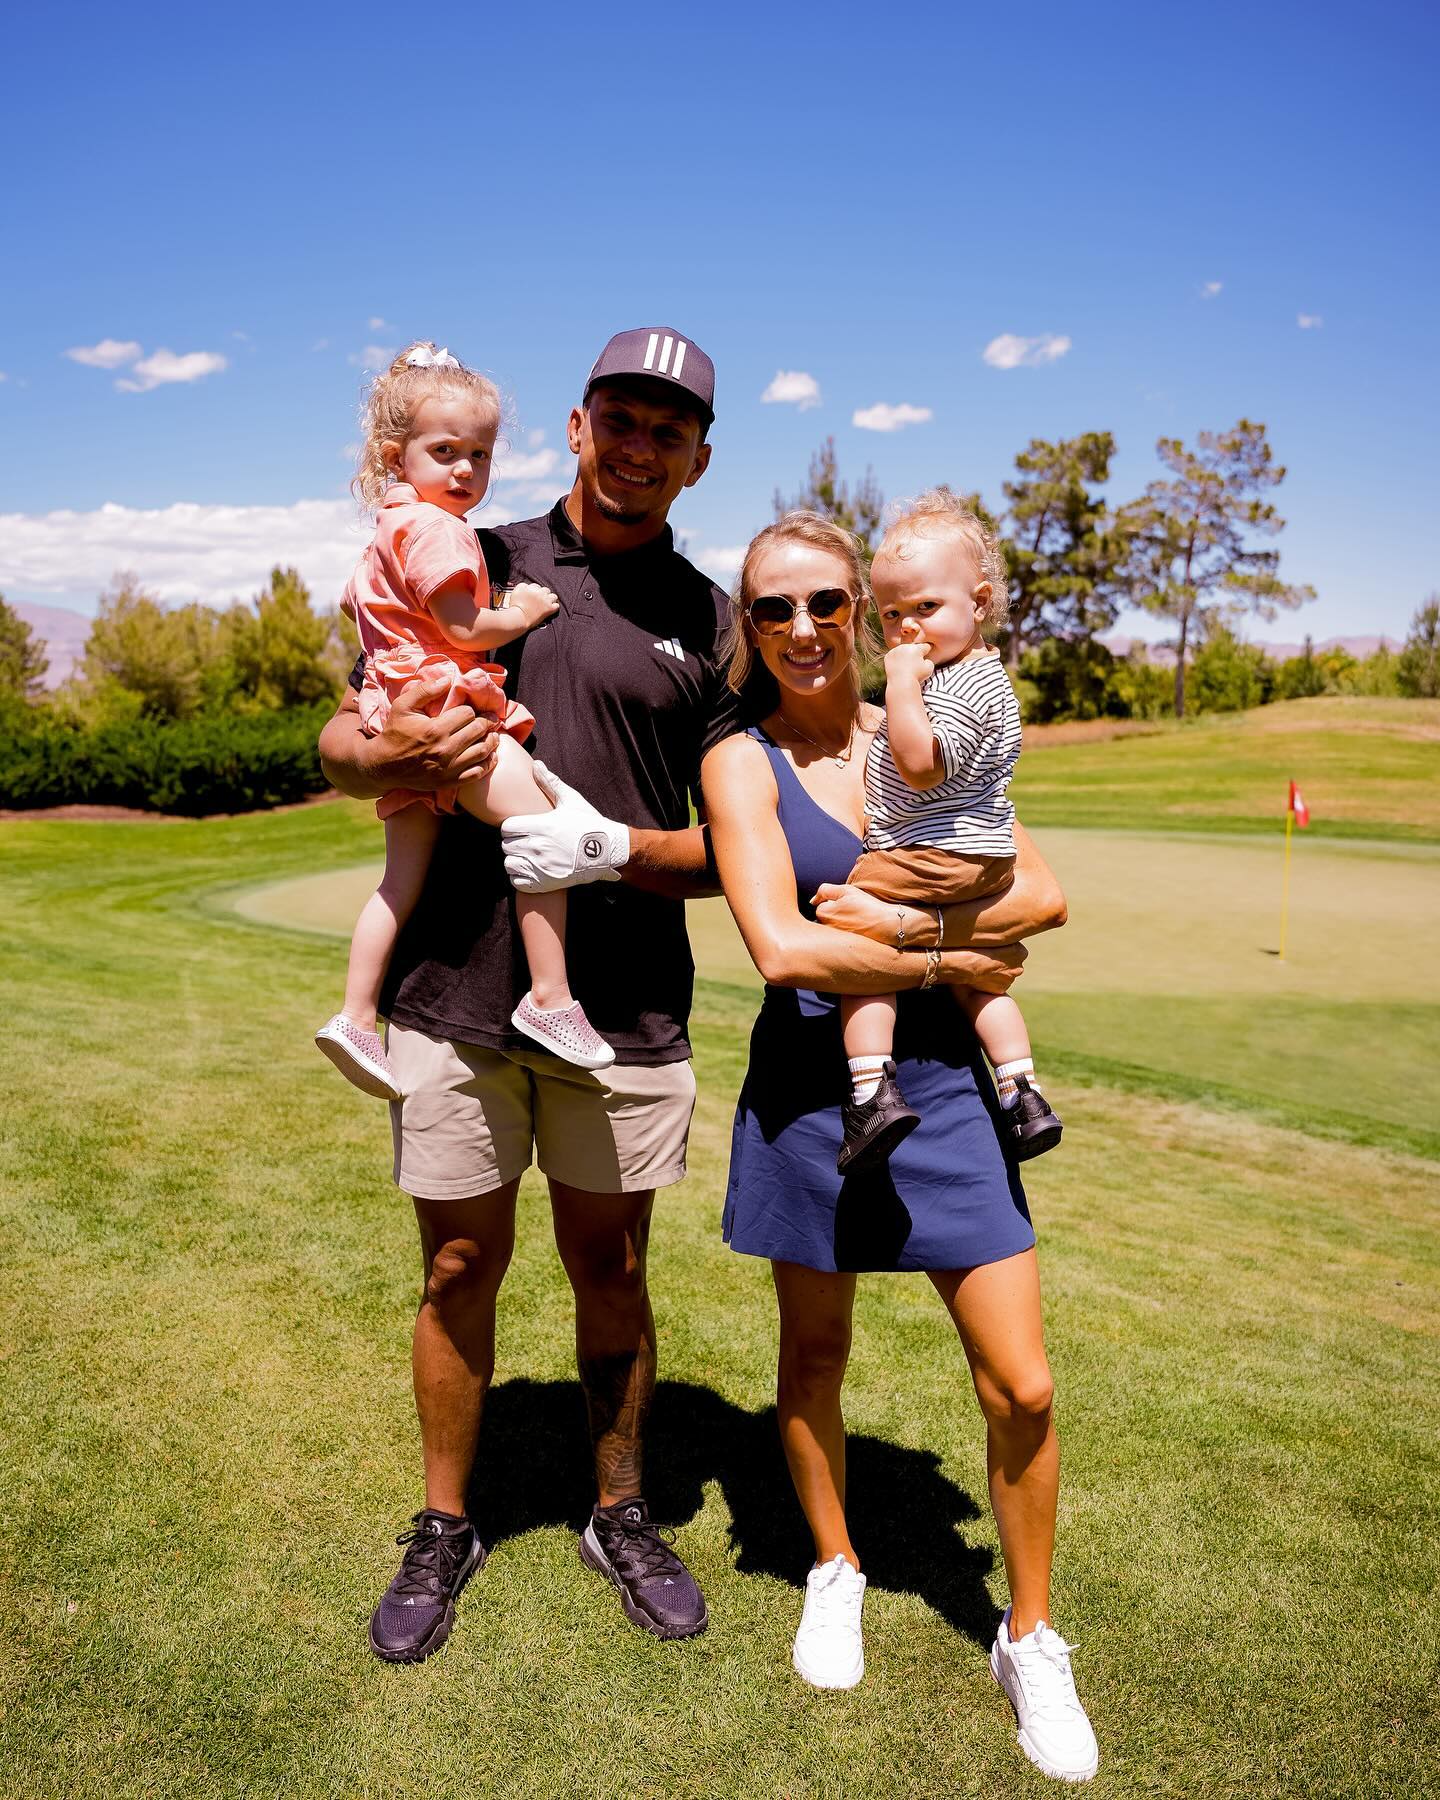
(566, 1032)
(359, 1055)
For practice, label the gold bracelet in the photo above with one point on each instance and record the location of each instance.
(932, 968)
(940, 928)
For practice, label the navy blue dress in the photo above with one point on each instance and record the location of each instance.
(947, 1199)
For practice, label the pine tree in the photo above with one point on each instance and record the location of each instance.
(1188, 556)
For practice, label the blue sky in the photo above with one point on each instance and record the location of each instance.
(869, 198)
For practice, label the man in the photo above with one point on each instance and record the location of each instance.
(628, 691)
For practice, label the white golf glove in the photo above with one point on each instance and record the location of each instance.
(560, 849)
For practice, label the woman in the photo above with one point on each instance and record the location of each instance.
(785, 804)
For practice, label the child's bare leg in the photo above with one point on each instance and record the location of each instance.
(868, 1025)
(1000, 1027)
(409, 841)
(510, 789)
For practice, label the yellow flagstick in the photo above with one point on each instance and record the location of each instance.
(1285, 896)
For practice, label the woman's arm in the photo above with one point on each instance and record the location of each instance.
(413, 751)
(759, 880)
(466, 626)
(1032, 903)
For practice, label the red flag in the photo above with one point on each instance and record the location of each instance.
(1298, 807)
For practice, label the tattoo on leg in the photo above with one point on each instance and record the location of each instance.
(618, 1391)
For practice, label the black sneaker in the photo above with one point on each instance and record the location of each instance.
(417, 1610)
(874, 1127)
(1033, 1128)
(658, 1592)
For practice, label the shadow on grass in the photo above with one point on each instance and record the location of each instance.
(904, 1514)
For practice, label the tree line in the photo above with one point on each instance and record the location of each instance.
(188, 709)
(144, 660)
(199, 709)
(1195, 548)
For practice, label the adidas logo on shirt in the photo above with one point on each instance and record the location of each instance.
(671, 647)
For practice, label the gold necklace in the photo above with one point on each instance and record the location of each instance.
(839, 760)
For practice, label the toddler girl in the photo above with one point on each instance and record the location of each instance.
(938, 823)
(421, 598)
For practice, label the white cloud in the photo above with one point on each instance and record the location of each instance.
(890, 418)
(722, 563)
(375, 324)
(190, 552)
(535, 438)
(109, 353)
(1309, 321)
(1011, 352)
(374, 357)
(793, 387)
(165, 367)
(1211, 289)
(3, 376)
(532, 468)
(321, 344)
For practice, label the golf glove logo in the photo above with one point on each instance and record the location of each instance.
(572, 844)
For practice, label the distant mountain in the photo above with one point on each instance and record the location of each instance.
(63, 633)
(1160, 653)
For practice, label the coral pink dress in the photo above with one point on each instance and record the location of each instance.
(417, 551)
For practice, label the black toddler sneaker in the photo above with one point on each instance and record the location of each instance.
(1033, 1127)
(417, 1610)
(658, 1592)
(874, 1127)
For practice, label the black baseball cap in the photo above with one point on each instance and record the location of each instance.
(659, 355)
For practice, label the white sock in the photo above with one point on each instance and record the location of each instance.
(865, 1073)
(1005, 1074)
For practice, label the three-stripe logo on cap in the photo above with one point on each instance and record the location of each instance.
(664, 366)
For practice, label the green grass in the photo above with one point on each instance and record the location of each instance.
(1166, 981)
(204, 1319)
(1367, 768)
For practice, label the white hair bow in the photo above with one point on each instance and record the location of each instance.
(421, 358)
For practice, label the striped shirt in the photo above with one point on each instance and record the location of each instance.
(976, 719)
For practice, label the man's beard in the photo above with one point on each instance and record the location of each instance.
(615, 510)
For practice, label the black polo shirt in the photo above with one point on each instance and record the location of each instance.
(628, 692)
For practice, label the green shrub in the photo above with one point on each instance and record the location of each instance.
(1141, 689)
(1069, 678)
(214, 762)
(1228, 676)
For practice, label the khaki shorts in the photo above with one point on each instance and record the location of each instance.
(924, 876)
(470, 1117)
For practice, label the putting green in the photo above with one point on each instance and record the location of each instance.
(1168, 964)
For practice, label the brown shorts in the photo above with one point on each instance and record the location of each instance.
(924, 876)
(471, 1119)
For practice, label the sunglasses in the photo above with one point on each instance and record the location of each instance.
(829, 609)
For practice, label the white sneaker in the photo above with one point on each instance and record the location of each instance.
(1035, 1673)
(566, 1032)
(829, 1650)
(359, 1055)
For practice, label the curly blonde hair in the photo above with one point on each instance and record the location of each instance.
(392, 401)
(821, 534)
(940, 509)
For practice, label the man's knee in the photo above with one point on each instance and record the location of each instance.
(609, 1263)
(607, 1272)
(464, 1272)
